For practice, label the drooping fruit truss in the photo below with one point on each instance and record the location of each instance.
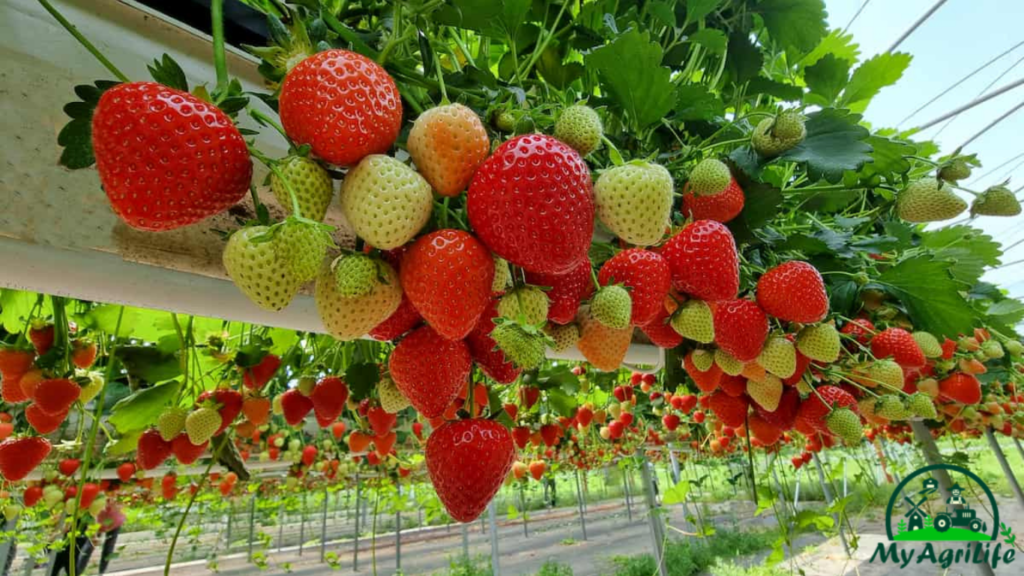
(522, 184)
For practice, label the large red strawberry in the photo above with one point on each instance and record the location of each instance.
(343, 104)
(55, 396)
(740, 328)
(813, 410)
(295, 406)
(646, 275)
(900, 345)
(485, 352)
(185, 451)
(784, 416)
(166, 158)
(14, 363)
(152, 449)
(703, 260)
(447, 276)
(760, 428)
(381, 421)
(41, 334)
(721, 207)
(42, 422)
(256, 377)
(730, 410)
(532, 203)
(229, 405)
(793, 291)
(328, 398)
(860, 329)
(706, 380)
(405, 318)
(467, 461)
(20, 456)
(430, 370)
(566, 290)
(960, 387)
(660, 331)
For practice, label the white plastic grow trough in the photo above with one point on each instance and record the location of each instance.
(57, 232)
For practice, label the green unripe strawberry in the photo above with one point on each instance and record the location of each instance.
(766, 392)
(391, 398)
(929, 344)
(845, 424)
(955, 170)
(355, 275)
(526, 304)
(709, 177)
(303, 245)
(386, 202)
(819, 342)
(635, 201)
(564, 336)
(612, 307)
(928, 200)
(522, 345)
(201, 425)
(504, 120)
(993, 350)
(312, 185)
(727, 362)
(778, 356)
(920, 404)
(259, 267)
(887, 374)
(694, 321)
(996, 201)
(171, 423)
(702, 359)
(306, 385)
(1014, 347)
(502, 275)
(773, 136)
(579, 126)
(890, 408)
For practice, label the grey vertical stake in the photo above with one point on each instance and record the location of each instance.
(280, 529)
(227, 532)
(252, 523)
(302, 524)
(657, 530)
(675, 466)
(1005, 465)
(5, 548)
(828, 498)
(625, 487)
(796, 491)
(522, 505)
(491, 515)
(579, 504)
(465, 539)
(355, 544)
(933, 457)
(1020, 449)
(398, 535)
(323, 527)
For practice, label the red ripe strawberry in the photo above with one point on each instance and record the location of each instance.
(900, 345)
(126, 471)
(670, 422)
(68, 466)
(814, 409)
(550, 434)
(948, 348)
(41, 335)
(309, 455)
(521, 435)
(793, 291)
(166, 158)
(660, 331)
(184, 450)
(295, 406)
(328, 398)
(405, 318)
(467, 461)
(567, 290)
(417, 430)
(89, 493)
(447, 276)
(83, 353)
(152, 449)
(256, 377)
(532, 203)
(485, 352)
(14, 364)
(384, 443)
(55, 396)
(381, 421)
(740, 328)
(703, 260)
(20, 456)
(721, 207)
(860, 329)
(646, 275)
(430, 370)
(32, 496)
(706, 381)
(42, 422)
(763, 430)
(784, 416)
(343, 104)
(730, 410)
(960, 387)
(733, 385)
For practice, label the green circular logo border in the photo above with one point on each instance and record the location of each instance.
(918, 472)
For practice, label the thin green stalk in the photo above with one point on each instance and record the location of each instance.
(91, 444)
(539, 51)
(220, 63)
(83, 41)
(440, 81)
(188, 508)
(280, 175)
(264, 119)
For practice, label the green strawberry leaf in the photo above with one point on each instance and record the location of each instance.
(888, 158)
(141, 409)
(76, 136)
(697, 9)
(797, 25)
(931, 294)
(826, 78)
(149, 364)
(562, 403)
(554, 71)
(694, 102)
(745, 59)
(643, 89)
(835, 142)
(167, 72)
(967, 250)
(836, 43)
(362, 377)
(494, 19)
(870, 77)
(1005, 315)
(714, 40)
(786, 92)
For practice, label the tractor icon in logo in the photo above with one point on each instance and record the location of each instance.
(963, 517)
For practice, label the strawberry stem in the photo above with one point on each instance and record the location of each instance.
(83, 40)
(188, 508)
(280, 175)
(219, 61)
(440, 81)
(262, 118)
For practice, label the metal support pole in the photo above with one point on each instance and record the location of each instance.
(491, 515)
(579, 503)
(522, 506)
(675, 466)
(252, 523)
(916, 25)
(5, 548)
(227, 532)
(657, 530)
(796, 491)
(280, 528)
(465, 540)
(302, 524)
(1005, 465)
(828, 497)
(1020, 449)
(625, 486)
(934, 457)
(355, 544)
(398, 536)
(323, 527)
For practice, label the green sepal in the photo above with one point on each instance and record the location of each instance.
(76, 136)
